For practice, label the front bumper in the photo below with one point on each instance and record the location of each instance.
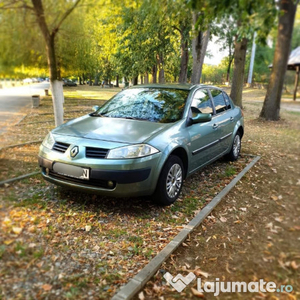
(135, 177)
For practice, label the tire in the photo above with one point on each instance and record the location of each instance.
(235, 148)
(170, 182)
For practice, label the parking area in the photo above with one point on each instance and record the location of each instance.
(63, 244)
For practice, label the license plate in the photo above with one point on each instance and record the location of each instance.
(71, 171)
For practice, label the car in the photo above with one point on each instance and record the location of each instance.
(69, 82)
(27, 80)
(144, 141)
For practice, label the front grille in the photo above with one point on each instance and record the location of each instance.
(91, 152)
(60, 147)
(91, 182)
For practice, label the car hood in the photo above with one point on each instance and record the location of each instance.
(111, 129)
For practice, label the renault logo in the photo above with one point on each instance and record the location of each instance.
(74, 151)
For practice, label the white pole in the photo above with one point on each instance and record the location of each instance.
(252, 60)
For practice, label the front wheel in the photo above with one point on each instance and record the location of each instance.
(170, 182)
(236, 148)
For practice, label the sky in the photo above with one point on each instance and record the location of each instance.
(213, 48)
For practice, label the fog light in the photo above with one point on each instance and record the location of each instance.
(110, 184)
(47, 171)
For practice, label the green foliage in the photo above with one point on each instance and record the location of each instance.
(263, 58)
(214, 74)
(20, 53)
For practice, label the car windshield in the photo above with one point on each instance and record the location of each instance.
(163, 105)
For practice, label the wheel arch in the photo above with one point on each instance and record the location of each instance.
(241, 131)
(182, 154)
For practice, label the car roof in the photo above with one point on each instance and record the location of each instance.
(177, 86)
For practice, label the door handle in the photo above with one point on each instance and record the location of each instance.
(215, 126)
(231, 119)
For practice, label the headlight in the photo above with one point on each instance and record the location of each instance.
(49, 141)
(133, 151)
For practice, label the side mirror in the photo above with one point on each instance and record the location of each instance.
(95, 107)
(201, 118)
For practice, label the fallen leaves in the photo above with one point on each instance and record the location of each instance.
(197, 293)
(223, 219)
(88, 228)
(46, 287)
(17, 230)
(198, 272)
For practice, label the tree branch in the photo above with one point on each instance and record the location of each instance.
(66, 14)
(16, 4)
(176, 28)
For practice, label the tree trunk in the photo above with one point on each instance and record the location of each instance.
(135, 80)
(146, 78)
(154, 74)
(55, 84)
(117, 81)
(96, 80)
(184, 59)
(296, 82)
(228, 68)
(161, 74)
(271, 106)
(199, 46)
(240, 49)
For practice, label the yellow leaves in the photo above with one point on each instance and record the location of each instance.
(17, 230)
(237, 222)
(31, 229)
(8, 242)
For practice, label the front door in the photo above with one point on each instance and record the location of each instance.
(203, 136)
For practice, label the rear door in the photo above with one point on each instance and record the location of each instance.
(223, 119)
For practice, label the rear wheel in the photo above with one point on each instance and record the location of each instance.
(170, 182)
(236, 148)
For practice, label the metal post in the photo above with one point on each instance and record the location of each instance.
(296, 82)
(252, 60)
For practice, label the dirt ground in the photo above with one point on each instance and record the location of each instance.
(58, 244)
(255, 232)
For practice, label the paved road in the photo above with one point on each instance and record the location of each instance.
(13, 100)
(283, 105)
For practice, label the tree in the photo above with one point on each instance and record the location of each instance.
(271, 106)
(199, 46)
(226, 33)
(49, 25)
(240, 48)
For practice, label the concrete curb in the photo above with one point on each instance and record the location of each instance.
(23, 144)
(18, 178)
(21, 120)
(138, 281)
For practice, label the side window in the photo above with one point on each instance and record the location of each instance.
(227, 100)
(219, 101)
(202, 102)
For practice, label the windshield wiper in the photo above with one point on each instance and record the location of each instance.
(94, 114)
